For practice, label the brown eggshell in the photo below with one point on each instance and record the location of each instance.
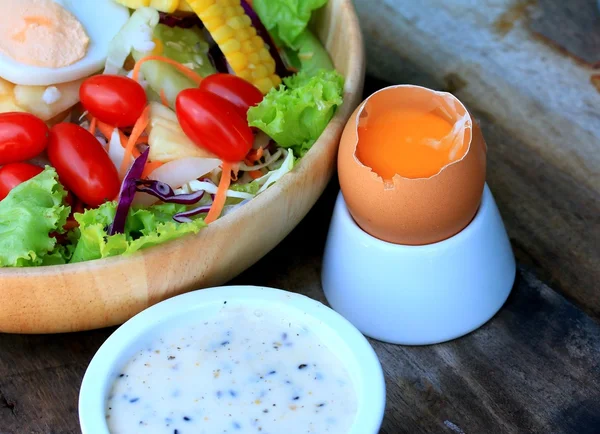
(412, 211)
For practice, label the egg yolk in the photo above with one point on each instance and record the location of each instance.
(41, 33)
(408, 141)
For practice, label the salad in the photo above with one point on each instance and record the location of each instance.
(197, 107)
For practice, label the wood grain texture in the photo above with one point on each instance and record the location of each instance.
(573, 26)
(106, 292)
(534, 368)
(539, 113)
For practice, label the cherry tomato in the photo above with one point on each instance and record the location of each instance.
(82, 164)
(214, 123)
(13, 174)
(234, 89)
(22, 136)
(113, 99)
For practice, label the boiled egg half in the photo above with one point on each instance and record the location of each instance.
(47, 42)
(412, 165)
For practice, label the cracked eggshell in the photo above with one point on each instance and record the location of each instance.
(412, 211)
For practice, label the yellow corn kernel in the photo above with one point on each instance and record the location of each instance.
(196, 5)
(260, 72)
(215, 10)
(232, 30)
(264, 84)
(238, 61)
(230, 47)
(264, 55)
(213, 24)
(242, 34)
(236, 23)
(246, 74)
(247, 47)
(168, 6)
(223, 34)
(253, 59)
(184, 7)
(134, 4)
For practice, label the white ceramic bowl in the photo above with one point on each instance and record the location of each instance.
(335, 332)
(419, 295)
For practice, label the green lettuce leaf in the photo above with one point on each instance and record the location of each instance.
(145, 227)
(286, 19)
(28, 215)
(296, 114)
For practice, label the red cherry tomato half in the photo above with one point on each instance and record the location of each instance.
(13, 174)
(113, 99)
(234, 89)
(22, 136)
(213, 123)
(82, 164)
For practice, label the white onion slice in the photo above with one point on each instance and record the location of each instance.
(116, 152)
(176, 173)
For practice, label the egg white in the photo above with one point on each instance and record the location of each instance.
(101, 19)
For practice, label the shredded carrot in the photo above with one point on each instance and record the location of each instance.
(219, 201)
(163, 98)
(93, 126)
(138, 129)
(183, 69)
(255, 174)
(136, 152)
(107, 131)
(150, 167)
(253, 156)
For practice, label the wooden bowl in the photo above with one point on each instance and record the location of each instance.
(107, 292)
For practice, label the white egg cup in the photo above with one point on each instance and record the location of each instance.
(418, 295)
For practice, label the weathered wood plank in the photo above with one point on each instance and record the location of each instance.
(573, 25)
(540, 116)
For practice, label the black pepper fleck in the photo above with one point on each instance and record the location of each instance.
(187, 419)
(170, 357)
(302, 366)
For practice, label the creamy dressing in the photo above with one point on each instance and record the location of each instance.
(242, 371)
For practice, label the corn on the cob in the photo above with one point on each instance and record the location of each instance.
(166, 138)
(232, 30)
(168, 6)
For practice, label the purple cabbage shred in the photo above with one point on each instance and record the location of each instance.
(127, 193)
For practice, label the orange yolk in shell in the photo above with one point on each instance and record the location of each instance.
(408, 141)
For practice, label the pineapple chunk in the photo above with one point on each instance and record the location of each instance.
(6, 87)
(7, 98)
(31, 98)
(167, 140)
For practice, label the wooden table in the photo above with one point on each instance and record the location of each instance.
(535, 367)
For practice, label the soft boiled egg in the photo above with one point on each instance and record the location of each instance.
(47, 42)
(412, 165)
